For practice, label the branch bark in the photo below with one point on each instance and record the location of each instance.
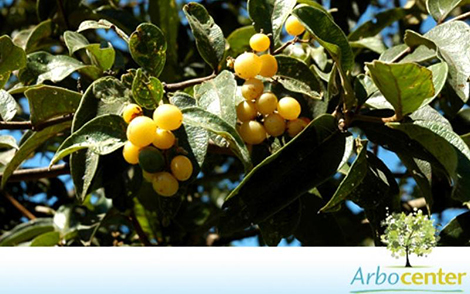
(182, 85)
(28, 125)
(138, 229)
(24, 211)
(38, 173)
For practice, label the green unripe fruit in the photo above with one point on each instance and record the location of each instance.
(151, 160)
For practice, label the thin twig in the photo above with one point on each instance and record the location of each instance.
(38, 173)
(28, 125)
(285, 45)
(374, 119)
(460, 17)
(24, 211)
(138, 229)
(182, 85)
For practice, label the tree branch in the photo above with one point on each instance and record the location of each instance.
(28, 125)
(24, 211)
(138, 229)
(182, 85)
(38, 173)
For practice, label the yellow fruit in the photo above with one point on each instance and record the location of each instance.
(164, 139)
(294, 127)
(246, 111)
(141, 131)
(274, 124)
(293, 26)
(165, 184)
(168, 117)
(252, 132)
(267, 103)
(252, 89)
(260, 42)
(268, 66)
(289, 108)
(247, 65)
(131, 111)
(181, 168)
(130, 152)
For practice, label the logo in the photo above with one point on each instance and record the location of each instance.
(405, 235)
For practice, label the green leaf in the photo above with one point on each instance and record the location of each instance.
(296, 76)
(328, 34)
(239, 41)
(435, 144)
(83, 167)
(317, 229)
(372, 43)
(46, 239)
(439, 9)
(26, 231)
(450, 150)
(405, 86)
(148, 48)
(453, 40)
(198, 138)
(46, 102)
(209, 37)
(105, 96)
(356, 175)
(31, 144)
(421, 172)
(147, 91)
(102, 135)
(164, 14)
(457, 231)
(37, 37)
(7, 141)
(43, 66)
(199, 117)
(302, 164)
(282, 224)
(378, 23)
(8, 106)
(12, 58)
(217, 96)
(102, 57)
(102, 24)
(270, 15)
(439, 77)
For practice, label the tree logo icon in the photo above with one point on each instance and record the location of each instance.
(408, 234)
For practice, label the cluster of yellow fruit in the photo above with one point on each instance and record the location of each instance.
(261, 113)
(147, 138)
